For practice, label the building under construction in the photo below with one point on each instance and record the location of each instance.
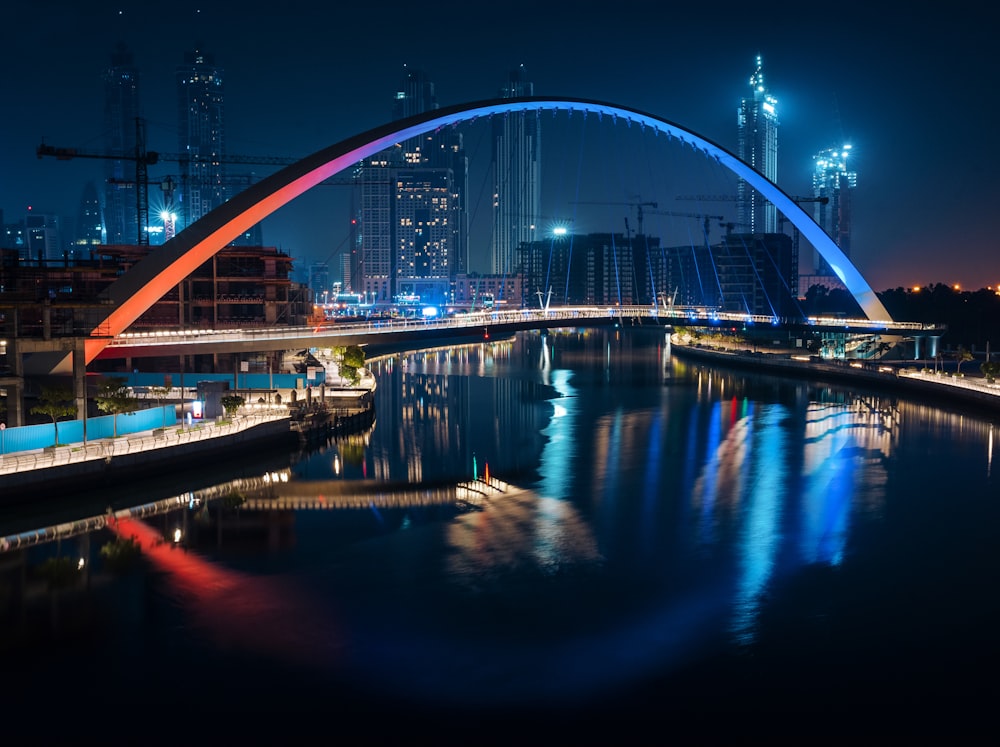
(238, 288)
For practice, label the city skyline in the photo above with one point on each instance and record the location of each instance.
(293, 88)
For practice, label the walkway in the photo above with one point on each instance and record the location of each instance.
(904, 375)
(135, 443)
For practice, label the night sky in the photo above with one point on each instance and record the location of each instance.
(912, 91)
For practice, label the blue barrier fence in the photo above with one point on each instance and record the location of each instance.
(236, 381)
(29, 437)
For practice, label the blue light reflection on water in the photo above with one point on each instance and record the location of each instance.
(671, 517)
(770, 489)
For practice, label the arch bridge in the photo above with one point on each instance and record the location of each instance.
(152, 277)
(163, 269)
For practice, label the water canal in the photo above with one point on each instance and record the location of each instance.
(685, 553)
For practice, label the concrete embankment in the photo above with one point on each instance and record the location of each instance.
(970, 394)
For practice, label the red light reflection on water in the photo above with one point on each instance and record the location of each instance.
(237, 610)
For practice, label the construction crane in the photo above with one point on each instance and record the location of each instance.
(708, 198)
(637, 205)
(144, 159)
(700, 216)
(798, 200)
(733, 198)
(140, 156)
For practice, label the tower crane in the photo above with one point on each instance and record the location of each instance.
(704, 218)
(143, 159)
(637, 205)
(140, 156)
(708, 198)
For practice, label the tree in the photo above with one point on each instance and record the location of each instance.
(990, 370)
(114, 397)
(56, 402)
(353, 359)
(231, 403)
(354, 356)
(961, 355)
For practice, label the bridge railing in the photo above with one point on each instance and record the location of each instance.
(502, 317)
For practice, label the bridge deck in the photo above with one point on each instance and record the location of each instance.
(481, 324)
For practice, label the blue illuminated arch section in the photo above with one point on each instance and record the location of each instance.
(164, 268)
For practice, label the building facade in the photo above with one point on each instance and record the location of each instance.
(516, 177)
(123, 130)
(89, 231)
(43, 237)
(588, 269)
(412, 214)
(741, 273)
(319, 282)
(833, 180)
(201, 137)
(757, 141)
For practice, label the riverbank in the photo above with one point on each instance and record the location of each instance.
(899, 377)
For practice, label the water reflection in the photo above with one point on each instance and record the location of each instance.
(262, 616)
(661, 510)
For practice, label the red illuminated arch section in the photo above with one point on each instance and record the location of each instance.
(164, 268)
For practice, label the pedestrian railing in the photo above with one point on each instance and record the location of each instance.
(108, 448)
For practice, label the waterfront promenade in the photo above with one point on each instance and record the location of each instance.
(186, 442)
(910, 378)
(140, 453)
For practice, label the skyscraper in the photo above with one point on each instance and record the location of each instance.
(516, 177)
(757, 122)
(413, 207)
(415, 95)
(201, 132)
(833, 180)
(122, 128)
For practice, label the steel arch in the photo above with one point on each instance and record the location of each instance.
(153, 276)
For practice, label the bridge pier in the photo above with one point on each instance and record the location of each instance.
(80, 382)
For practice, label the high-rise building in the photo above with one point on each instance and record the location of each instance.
(833, 180)
(344, 272)
(89, 231)
(319, 282)
(757, 123)
(43, 236)
(122, 129)
(516, 177)
(412, 214)
(201, 131)
(415, 95)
